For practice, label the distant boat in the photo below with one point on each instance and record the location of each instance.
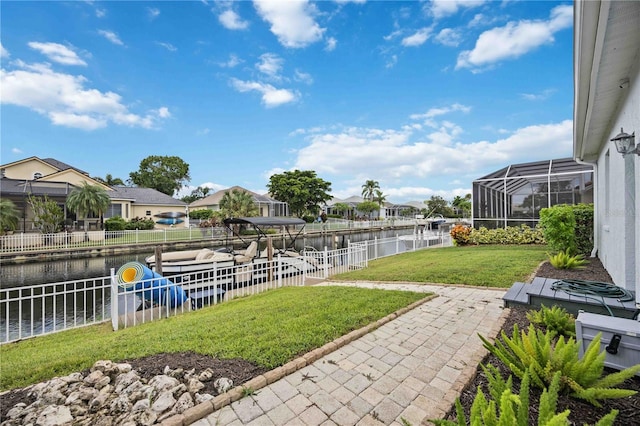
(171, 215)
(169, 221)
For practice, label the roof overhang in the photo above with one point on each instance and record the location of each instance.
(606, 53)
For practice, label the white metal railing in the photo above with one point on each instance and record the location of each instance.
(46, 308)
(25, 242)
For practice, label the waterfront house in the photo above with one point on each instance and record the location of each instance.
(55, 179)
(607, 100)
(267, 206)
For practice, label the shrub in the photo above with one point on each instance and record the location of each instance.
(536, 353)
(201, 214)
(568, 227)
(505, 408)
(115, 223)
(563, 260)
(522, 234)
(558, 225)
(556, 319)
(584, 228)
(140, 223)
(460, 235)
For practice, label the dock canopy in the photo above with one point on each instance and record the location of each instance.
(264, 221)
(262, 224)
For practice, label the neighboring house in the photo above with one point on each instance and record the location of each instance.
(353, 212)
(607, 99)
(267, 206)
(145, 203)
(52, 178)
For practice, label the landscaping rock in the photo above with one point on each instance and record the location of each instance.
(112, 394)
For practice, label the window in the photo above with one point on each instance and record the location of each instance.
(113, 210)
(148, 213)
(37, 175)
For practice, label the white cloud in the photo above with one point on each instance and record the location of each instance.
(515, 39)
(232, 62)
(4, 53)
(57, 53)
(545, 94)
(418, 38)
(65, 100)
(16, 151)
(435, 112)
(392, 61)
(270, 64)
(303, 77)
(442, 8)
(449, 37)
(394, 155)
(153, 13)
(111, 36)
(271, 96)
(232, 21)
(101, 13)
(170, 47)
(331, 44)
(203, 132)
(291, 22)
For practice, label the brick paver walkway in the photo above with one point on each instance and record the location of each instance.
(407, 371)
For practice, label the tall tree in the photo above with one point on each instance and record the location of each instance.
(369, 188)
(438, 206)
(368, 207)
(379, 198)
(88, 199)
(9, 216)
(463, 204)
(197, 194)
(237, 203)
(47, 214)
(167, 174)
(301, 189)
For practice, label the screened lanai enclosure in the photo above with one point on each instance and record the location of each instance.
(514, 195)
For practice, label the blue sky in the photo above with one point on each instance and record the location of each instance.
(423, 96)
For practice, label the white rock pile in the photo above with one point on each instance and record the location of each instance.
(112, 394)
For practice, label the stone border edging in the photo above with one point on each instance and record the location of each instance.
(478, 287)
(205, 408)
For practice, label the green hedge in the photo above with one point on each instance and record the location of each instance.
(522, 234)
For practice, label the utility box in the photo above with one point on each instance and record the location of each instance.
(620, 338)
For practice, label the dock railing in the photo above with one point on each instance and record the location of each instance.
(29, 311)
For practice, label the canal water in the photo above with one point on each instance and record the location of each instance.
(88, 278)
(78, 269)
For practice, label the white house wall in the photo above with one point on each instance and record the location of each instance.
(618, 198)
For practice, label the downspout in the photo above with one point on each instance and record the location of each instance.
(596, 229)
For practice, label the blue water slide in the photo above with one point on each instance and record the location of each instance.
(157, 289)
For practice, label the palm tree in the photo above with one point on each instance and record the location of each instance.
(110, 180)
(237, 203)
(9, 216)
(379, 198)
(368, 189)
(87, 199)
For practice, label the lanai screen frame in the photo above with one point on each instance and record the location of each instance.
(494, 200)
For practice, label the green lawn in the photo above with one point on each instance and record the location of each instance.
(269, 329)
(489, 266)
(272, 328)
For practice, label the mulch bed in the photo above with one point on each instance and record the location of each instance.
(581, 412)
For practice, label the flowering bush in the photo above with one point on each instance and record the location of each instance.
(460, 235)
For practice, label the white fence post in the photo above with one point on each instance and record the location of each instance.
(114, 300)
(325, 261)
(279, 271)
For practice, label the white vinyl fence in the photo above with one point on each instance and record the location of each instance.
(42, 309)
